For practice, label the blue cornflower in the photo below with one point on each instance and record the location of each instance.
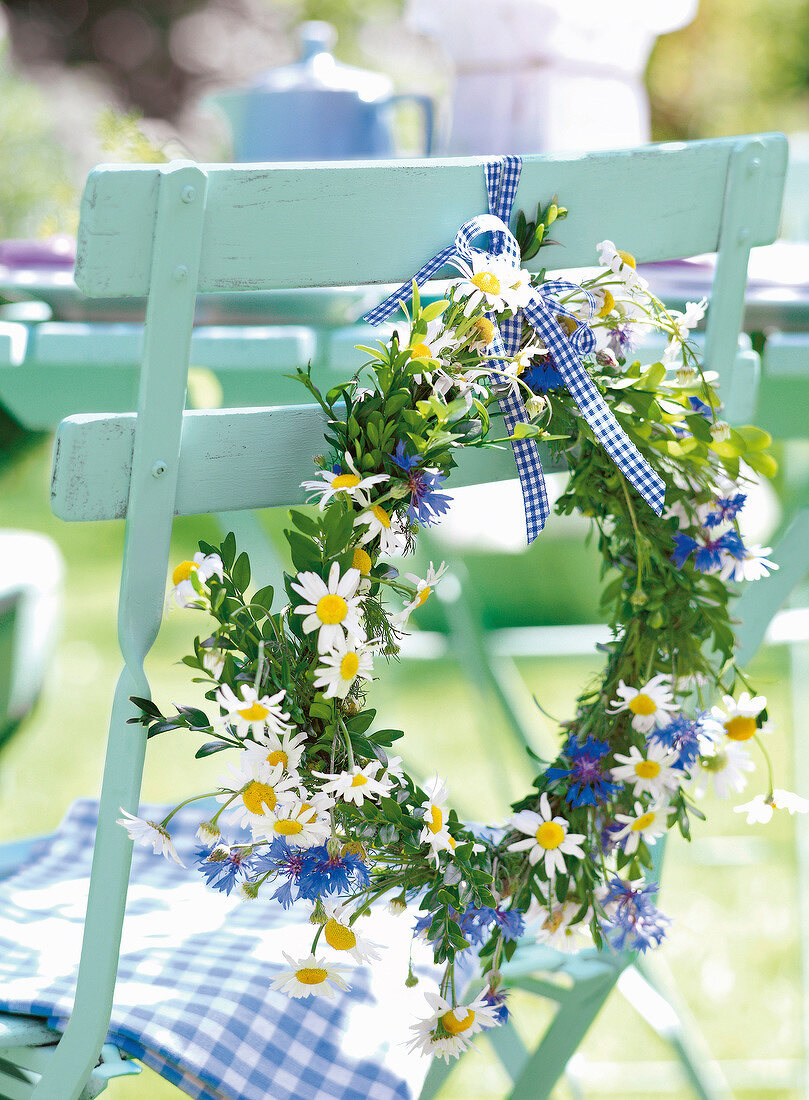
(710, 553)
(324, 874)
(285, 860)
(727, 508)
(634, 921)
(701, 407)
(497, 1001)
(427, 504)
(588, 781)
(682, 735)
(543, 376)
(223, 872)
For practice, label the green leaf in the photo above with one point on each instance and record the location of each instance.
(241, 572)
(435, 309)
(210, 747)
(304, 523)
(528, 431)
(264, 597)
(227, 551)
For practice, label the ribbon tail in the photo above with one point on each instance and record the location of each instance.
(526, 455)
(404, 292)
(596, 412)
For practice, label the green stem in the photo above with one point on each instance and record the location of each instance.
(195, 798)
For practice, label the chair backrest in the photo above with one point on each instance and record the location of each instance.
(171, 231)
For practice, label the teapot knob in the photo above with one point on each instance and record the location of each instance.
(316, 37)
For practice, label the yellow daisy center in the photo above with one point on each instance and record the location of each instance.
(642, 704)
(740, 729)
(331, 609)
(286, 827)
(361, 561)
(184, 571)
(254, 713)
(647, 769)
(436, 822)
(486, 281)
(550, 924)
(454, 1026)
(258, 796)
(420, 351)
(628, 258)
(643, 822)
(349, 665)
(424, 595)
(311, 975)
(550, 835)
(338, 936)
(609, 304)
(277, 756)
(359, 780)
(381, 515)
(485, 329)
(345, 481)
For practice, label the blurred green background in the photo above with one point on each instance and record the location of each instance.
(740, 66)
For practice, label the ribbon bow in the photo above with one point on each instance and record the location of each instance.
(541, 309)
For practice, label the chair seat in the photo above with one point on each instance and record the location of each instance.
(192, 999)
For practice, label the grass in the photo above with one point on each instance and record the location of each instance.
(734, 945)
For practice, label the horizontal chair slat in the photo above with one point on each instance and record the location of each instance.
(376, 222)
(230, 459)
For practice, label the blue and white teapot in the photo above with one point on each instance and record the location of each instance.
(318, 108)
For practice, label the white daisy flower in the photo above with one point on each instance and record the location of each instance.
(302, 821)
(457, 1025)
(342, 666)
(525, 357)
(350, 483)
(431, 345)
(738, 717)
(760, 809)
(246, 713)
(623, 265)
(392, 540)
(482, 331)
(645, 824)
(259, 788)
(203, 567)
(424, 587)
(493, 284)
(548, 838)
(651, 705)
(286, 750)
(342, 936)
(725, 765)
(310, 977)
(436, 818)
(149, 833)
(332, 609)
(557, 928)
(751, 567)
(354, 785)
(650, 772)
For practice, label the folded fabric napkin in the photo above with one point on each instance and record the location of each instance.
(193, 998)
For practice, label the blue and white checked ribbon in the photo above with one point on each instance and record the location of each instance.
(193, 999)
(541, 311)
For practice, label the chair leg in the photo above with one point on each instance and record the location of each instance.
(547, 1064)
(511, 1051)
(646, 986)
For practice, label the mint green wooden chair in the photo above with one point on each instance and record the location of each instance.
(171, 231)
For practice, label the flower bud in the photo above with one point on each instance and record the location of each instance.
(720, 431)
(207, 832)
(248, 891)
(398, 905)
(638, 599)
(535, 406)
(318, 915)
(411, 979)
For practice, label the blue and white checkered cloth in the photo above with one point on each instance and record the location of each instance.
(192, 1000)
(566, 350)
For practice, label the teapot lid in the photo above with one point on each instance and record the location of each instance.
(319, 70)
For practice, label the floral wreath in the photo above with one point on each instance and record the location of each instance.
(313, 807)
